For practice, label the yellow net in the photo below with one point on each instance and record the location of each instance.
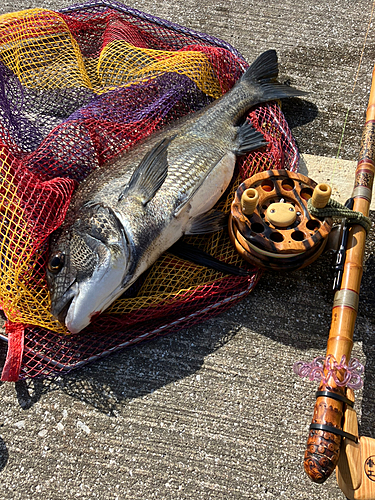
(79, 89)
(38, 47)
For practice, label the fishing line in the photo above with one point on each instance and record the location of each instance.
(354, 85)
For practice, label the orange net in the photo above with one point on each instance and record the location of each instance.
(77, 88)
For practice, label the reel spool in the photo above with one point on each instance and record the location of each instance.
(270, 224)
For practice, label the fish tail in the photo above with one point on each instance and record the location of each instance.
(264, 72)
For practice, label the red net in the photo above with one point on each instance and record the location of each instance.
(76, 89)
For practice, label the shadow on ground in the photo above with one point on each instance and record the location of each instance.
(293, 309)
(4, 455)
(287, 318)
(133, 372)
(298, 112)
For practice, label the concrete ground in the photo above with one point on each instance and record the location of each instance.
(215, 411)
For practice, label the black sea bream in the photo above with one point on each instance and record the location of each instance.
(128, 212)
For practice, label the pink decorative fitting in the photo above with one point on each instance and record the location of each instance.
(325, 369)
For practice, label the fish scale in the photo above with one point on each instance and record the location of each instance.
(152, 195)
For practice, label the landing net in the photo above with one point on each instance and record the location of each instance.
(78, 87)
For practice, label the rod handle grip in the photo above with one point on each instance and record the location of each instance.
(323, 447)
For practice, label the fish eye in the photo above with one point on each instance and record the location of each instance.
(56, 263)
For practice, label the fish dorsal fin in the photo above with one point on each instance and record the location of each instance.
(150, 174)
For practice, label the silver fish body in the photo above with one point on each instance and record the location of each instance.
(128, 212)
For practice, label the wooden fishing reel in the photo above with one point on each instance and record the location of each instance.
(270, 224)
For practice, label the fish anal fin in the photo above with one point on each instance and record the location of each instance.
(248, 139)
(208, 222)
(150, 174)
(196, 255)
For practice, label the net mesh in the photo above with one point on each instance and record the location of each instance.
(78, 87)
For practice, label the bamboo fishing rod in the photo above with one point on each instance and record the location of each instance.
(326, 431)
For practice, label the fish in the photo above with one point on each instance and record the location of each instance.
(126, 213)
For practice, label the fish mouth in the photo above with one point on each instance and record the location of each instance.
(60, 308)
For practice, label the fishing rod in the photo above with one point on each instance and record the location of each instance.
(281, 220)
(334, 425)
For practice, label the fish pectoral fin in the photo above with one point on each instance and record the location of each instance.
(209, 222)
(248, 139)
(150, 174)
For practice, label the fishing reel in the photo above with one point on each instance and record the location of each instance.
(270, 224)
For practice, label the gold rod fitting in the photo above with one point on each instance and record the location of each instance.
(347, 298)
(362, 192)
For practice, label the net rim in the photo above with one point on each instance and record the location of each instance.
(155, 20)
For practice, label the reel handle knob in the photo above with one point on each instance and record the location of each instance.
(249, 201)
(321, 195)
